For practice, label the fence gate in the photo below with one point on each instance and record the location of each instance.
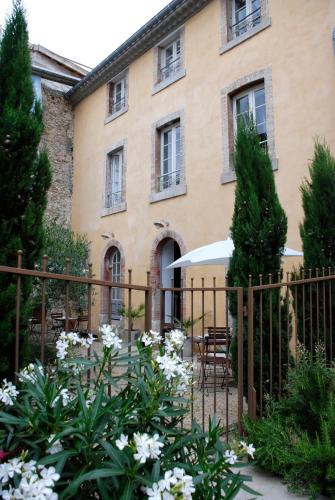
(214, 345)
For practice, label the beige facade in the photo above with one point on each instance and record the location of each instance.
(290, 53)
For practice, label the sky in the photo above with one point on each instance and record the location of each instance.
(85, 31)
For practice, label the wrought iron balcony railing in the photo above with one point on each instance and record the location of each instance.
(117, 105)
(170, 69)
(168, 180)
(247, 23)
(113, 199)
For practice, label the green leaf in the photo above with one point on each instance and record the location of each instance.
(90, 476)
(127, 493)
(7, 418)
(114, 454)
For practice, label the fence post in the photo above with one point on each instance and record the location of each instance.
(44, 268)
(239, 358)
(251, 388)
(67, 296)
(147, 319)
(17, 312)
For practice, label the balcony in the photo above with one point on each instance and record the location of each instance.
(114, 199)
(170, 69)
(247, 23)
(117, 105)
(169, 180)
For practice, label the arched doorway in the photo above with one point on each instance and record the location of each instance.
(170, 278)
(167, 247)
(113, 269)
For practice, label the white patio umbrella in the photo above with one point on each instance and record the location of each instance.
(216, 253)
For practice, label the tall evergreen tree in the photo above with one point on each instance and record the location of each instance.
(317, 230)
(259, 233)
(317, 233)
(24, 171)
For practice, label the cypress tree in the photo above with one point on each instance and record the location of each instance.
(24, 172)
(317, 233)
(258, 230)
(317, 230)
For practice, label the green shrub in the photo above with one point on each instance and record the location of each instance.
(127, 444)
(296, 437)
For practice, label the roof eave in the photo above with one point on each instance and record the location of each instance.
(167, 20)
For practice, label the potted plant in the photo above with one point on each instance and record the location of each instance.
(131, 315)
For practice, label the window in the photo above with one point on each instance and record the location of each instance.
(246, 14)
(117, 99)
(252, 102)
(170, 157)
(115, 273)
(117, 96)
(170, 59)
(250, 95)
(242, 19)
(114, 176)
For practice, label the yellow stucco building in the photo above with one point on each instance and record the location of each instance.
(154, 128)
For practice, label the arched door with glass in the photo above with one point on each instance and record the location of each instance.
(115, 270)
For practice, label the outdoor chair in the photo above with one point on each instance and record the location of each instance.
(214, 357)
(56, 324)
(82, 324)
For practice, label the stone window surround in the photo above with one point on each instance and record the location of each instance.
(227, 93)
(122, 144)
(156, 128)
(227, 43)
(112, 116)
(158, 84)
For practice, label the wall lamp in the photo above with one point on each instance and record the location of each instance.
(107, 236)
(159, 224)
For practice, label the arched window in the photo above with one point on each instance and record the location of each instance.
(115, 269)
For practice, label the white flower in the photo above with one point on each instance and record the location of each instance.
(231, 457)
(66, 396)
(55, 447)
(8, 393)
(147, 447)
(50, 476)
(67, 340)
(174, 341)
(154, 446)
(176, 484)
(173, 367)
(28, 373)
(8, 469)
(122, 442)
(146, 339)
(248, 448)
(156, 336)
(87, 341)
(110, 338)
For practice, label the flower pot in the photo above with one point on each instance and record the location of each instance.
(134, 334)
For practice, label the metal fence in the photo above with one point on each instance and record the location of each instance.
(237, 360)
(284, 317)
(40, 322)
(212, 343)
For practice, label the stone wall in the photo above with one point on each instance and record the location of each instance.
(58, 139)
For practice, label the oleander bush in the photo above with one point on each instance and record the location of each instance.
(296, 437)
(110, 427)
